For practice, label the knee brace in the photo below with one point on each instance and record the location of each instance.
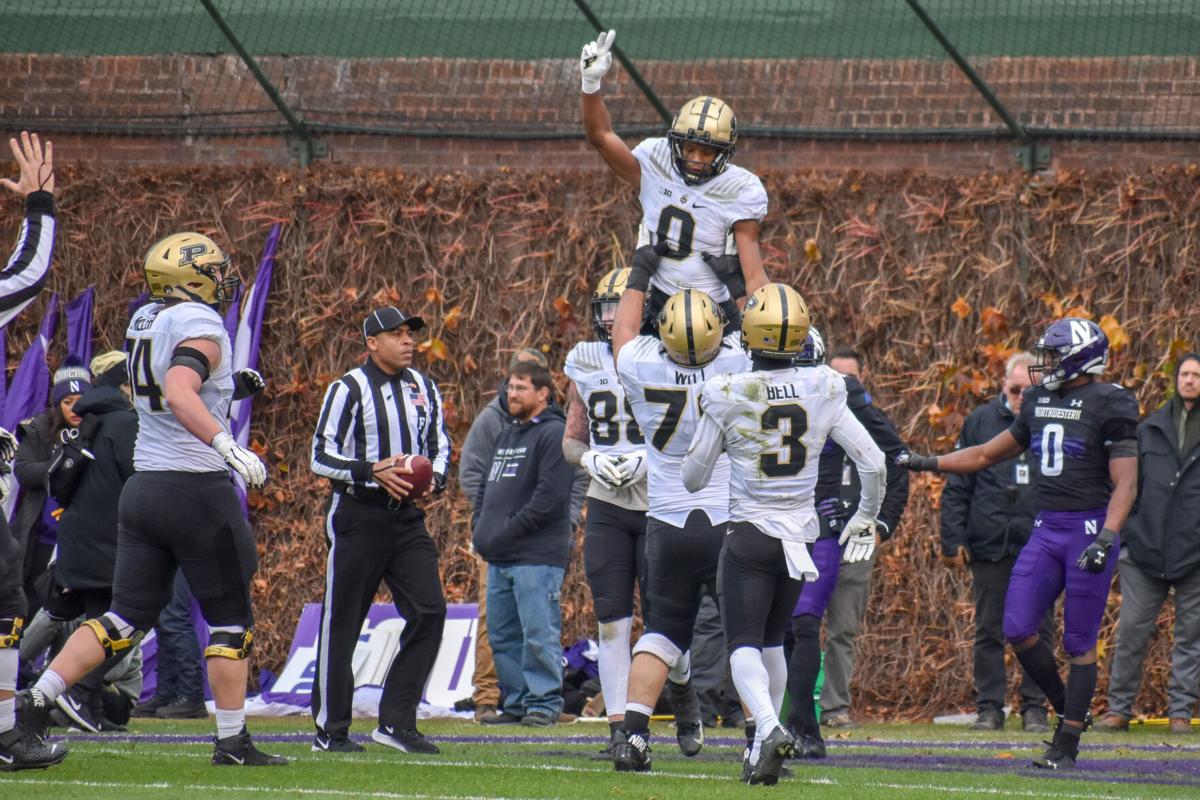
(10, 632)
(660, 647)
(229, 643)
(681, 671)
(114, 634)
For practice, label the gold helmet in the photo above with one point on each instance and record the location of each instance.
(188, 266)
(775, 323)
(708, 121)
(604, 302)
(691, 326)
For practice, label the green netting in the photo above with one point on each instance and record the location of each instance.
(804, 67)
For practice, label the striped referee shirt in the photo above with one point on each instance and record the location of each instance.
(369, 415)
(25, 273)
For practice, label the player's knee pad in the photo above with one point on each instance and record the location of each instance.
(681, 672)
(114, 633)
(660, 647)
(229, 643)
(10, 632)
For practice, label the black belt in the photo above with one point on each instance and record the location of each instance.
(373, 497)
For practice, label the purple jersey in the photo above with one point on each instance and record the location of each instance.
(1068, 432)
(815, 595)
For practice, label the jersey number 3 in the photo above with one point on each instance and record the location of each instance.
(792, 421)
(141, 376)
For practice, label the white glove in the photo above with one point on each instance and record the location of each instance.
(632, 467)
(8, 446)
(858, 537)
(242, 460)
(595, 61)
(603, 468)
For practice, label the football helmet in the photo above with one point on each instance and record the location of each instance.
(188, 266)
(1069, 348)
(691, 326)
(813, 352)
(706, 121)
(775, 323)
(604, 302)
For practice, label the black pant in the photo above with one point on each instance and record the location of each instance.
(12, 584)
(989, 581)
(680, 564)
(757, 593)
(614, 557)
(369, 544)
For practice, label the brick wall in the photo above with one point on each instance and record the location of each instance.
(210, 110)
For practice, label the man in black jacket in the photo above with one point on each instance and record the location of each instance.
(1161, 552)
(86, 476)
(522, 529)
(987, 517)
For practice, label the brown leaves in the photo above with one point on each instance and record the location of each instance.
(811, 250)
(1118, 339)
(993, 322)
(961, 308)
(434, 349)
(452, 318)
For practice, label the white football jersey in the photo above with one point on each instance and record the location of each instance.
(665, 400)
(694, 219)
(774, 424)
(611, 426)
(153, 334)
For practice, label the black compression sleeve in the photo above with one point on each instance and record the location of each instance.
(191, 358)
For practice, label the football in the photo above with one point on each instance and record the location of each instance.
(422, 472)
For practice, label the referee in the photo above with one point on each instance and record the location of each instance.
(371, 416)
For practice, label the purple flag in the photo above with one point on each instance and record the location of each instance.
(31, 382)
(232, 315)
(3, 369)
(138, 302)
(79, 325)
(249, 333)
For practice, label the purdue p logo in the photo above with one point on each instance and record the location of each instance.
(188, 253)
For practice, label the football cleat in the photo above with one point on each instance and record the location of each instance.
(331, 744)
(810, 747)
(689, 731)
(239, 751)
(404, 740)
(1055, 757)
(21, 750)
(615, 738)
(771, 754)
(632, 755)
(33, 711)
(77, 711)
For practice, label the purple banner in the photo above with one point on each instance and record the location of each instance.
(31, 383)
(249, 332)
(79, 325)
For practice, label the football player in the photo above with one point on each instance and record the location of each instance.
(602, 436)
(21, 281)
(179, 510)
(771, 420)
(1084, 434)
(662, 377)
(836, 475)
(706, 210)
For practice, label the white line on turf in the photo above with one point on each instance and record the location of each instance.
(984, 791)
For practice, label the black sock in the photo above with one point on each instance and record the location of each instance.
(636, 722)
(751, 729)
(802, 675)
(1081, 686)
(613, 728)
(1039, 662)
(1066, 739)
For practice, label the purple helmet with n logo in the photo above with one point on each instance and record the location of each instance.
(1069, 348)
(812, 354)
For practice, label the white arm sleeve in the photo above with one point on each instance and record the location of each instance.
(848, 432)
(702, 455)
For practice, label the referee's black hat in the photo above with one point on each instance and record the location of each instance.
(387, 319)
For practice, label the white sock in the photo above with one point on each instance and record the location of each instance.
(8, 714)
(230, 722)
(614, 661)
(681, 673)
(640, 709)
(776, 664)
(753, 686)
(51, 685)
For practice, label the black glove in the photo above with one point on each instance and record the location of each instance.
(645, 262)
(915, 463)
(247, 383)
(439, 483)
(728, 269)
(1094, 557)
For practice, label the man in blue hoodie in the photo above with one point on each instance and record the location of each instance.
(522, 528)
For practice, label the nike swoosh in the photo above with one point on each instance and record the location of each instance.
(71, 702)
(232, 757)
(6, 759)
(697, 205)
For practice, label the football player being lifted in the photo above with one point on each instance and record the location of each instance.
(704, 210)
(772, 420)
(662, 376)
(180, 509)
(1083, 435)
(602, 436)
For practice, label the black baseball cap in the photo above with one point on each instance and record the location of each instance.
(388, 319)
